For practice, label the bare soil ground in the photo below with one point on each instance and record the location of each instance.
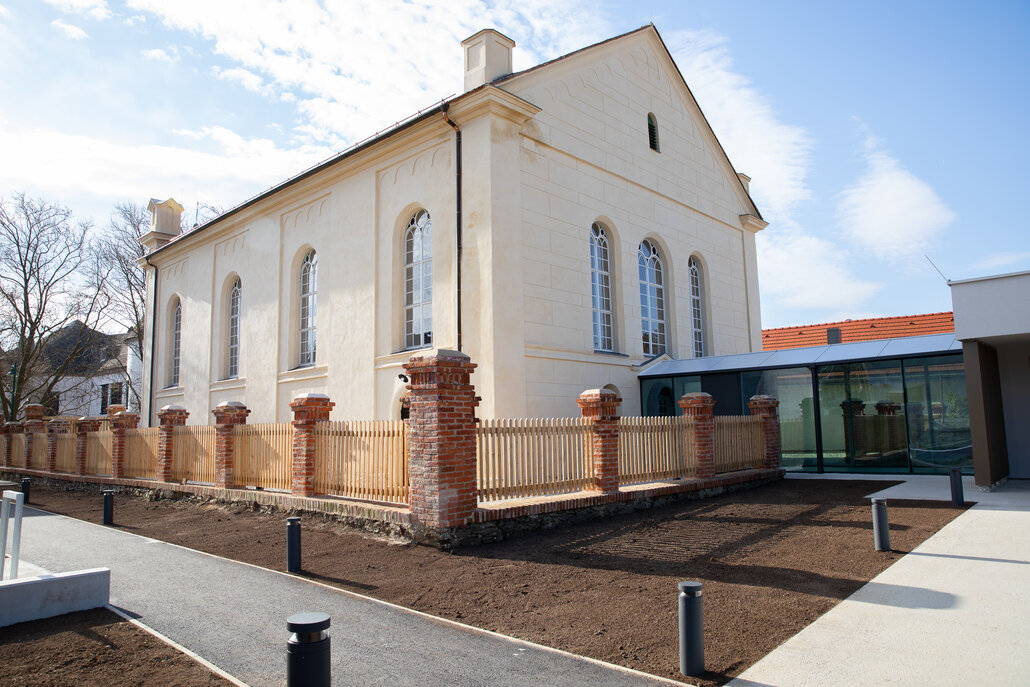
(94, 648)
(772, 560)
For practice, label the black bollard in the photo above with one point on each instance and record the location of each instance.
(293, 545)
(692, 629)
(108, 506)
(881, 530)
(307, 651)
(957, 497)
(26, 483)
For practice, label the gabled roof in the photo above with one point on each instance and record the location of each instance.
(858, 330)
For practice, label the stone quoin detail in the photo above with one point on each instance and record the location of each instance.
(307, 410)
(227, 414)
(600, 408)
(699, 406)
(442, 439)
(767, 408)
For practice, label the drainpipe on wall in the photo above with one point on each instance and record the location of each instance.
(457, 204)
(153, 343)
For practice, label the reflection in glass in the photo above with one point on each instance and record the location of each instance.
(792, 387)
(657, 396)
(938, 413)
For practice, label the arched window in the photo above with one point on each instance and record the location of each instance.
(652, 299)
(418, 281)
(601, 288)
(308, 292)
(176, 341)
(234, 330)
(697, 307)
(652, 131)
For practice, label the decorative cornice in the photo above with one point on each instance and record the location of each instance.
(752, 223)
(491, 100)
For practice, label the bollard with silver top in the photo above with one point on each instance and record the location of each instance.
(293, 545)
(26, 484)
(15, 501)
(958, 498)
(307, 651)
(108, 506)
(692, 629)
(881, 529)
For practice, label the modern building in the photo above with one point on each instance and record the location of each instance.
(992, 320)
(894, 405)
(561, 225)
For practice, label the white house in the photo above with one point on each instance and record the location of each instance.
(562, 225)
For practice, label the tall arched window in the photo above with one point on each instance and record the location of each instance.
(176, 341)
(652, 299)
(652, 132)
(697, 307)
(418, 281)
(601, 288)
(308, 292)
(234, 329)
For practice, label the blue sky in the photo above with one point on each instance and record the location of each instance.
(874, 132)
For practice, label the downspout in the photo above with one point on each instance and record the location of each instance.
(153, 343)
(457, 205)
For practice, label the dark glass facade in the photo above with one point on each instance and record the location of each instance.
(894, 415)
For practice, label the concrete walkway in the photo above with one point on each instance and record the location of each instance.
(955, 611)
(234, 615)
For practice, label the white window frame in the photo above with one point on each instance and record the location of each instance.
(652, 299)
(176, 342)
(601, 289)
(235, 303)
(697, 307)
(308, 310)
(418, 281)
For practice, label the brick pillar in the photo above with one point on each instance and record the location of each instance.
(84, 426)
(227, 414)
(120, 422)
(34, 426)
(53, 429)
(699, 405)
(169, 417)
(442, 439)
(766, 406)
(307, 410)
(600, 408)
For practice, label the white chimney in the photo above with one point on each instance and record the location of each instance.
(487, 56)
(165, 223)
(745, 180)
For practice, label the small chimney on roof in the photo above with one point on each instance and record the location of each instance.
(745, 181)
(487, 56)
(165, 223)
(833, 335)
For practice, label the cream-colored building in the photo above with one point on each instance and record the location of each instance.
(562, 226)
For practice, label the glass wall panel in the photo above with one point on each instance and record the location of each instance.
(861, 409)
(938, 414)
(684, 385)
(656, 396)
(792, 387)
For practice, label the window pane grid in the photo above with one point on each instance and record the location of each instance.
(600, 288)
(652, 300)
(308, 293)
(176, 341)
(418, 281)
(234, 330)
(697, 317)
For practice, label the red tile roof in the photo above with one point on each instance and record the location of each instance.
(858, 330)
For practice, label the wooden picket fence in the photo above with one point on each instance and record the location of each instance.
(519, 458)
(193, 454)
(98, 453)
(17, 450)
(739, 443)
(40, 450)
(652, 449)
(141, 453)
(362, 460)
(65, 453)
(263, 455)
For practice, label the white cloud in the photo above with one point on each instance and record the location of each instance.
(998, 261)
(889, 211)
(246, 78)
(4, 12)
(73, 32)
(94, 8)
(170, 56)
(135, 19)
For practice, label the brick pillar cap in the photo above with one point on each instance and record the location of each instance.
(171, 407)
(762, 398)
(440, 353)
(599, 392)
(231, 404)
(308, 395)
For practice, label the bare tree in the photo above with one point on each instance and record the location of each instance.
(49, 308)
